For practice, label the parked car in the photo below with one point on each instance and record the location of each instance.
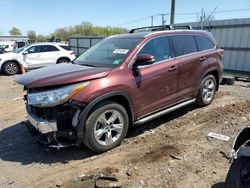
(11, 45)
(35, 56)
(239, 173)
(2, 50)
(122, 81)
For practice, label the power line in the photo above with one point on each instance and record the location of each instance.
(215, 12)
(137, 20)
(152, 20)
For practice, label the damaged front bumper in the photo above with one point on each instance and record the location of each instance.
(57, 126)
(42, 125)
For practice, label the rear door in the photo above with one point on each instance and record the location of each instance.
(156, 84)
(193, 54)
(50, 54)
(187, 58)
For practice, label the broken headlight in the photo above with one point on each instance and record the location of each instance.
(55, 97)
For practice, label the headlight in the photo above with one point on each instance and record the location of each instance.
(55, 97)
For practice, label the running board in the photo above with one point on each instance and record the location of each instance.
(163, 112)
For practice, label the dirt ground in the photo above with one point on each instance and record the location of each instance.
(172, 151)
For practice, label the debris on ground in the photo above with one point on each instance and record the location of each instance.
(169, 151)
(17, 98)
(218, 136)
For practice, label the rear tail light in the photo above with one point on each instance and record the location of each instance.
(72, 53)
(221, 52)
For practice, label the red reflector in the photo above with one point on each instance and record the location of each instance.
(22, 69)
(221, 52)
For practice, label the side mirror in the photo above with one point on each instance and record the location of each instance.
(25, 52)
(144, 59)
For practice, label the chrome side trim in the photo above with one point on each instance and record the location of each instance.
(163, 112)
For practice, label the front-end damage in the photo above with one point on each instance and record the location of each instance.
(54, 119)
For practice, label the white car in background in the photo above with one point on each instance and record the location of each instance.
(35, 56)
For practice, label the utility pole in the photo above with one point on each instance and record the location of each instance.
(162, 19)
(152, 20)
(172, 19)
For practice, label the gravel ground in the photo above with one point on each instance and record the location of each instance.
(172, 151)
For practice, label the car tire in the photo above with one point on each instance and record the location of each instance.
(11, 68)
(63, 60)
(105, 127)
(207, 91)
(239, 174)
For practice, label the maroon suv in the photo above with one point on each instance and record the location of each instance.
(122, 81)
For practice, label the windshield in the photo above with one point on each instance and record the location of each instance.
(21, 49)
(110, 52)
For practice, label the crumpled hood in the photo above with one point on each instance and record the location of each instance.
(60, 74)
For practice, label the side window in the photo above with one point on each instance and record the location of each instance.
(204, 43)
(49, 48)
(184, 44)
(158, 47)
(34, 49)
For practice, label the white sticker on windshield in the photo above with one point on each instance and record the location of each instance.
(120, 51)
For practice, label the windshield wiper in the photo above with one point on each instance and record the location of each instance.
(89, 65)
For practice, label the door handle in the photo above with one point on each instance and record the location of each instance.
(172, 68)
(203, 58)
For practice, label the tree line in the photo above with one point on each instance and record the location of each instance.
(84, 29)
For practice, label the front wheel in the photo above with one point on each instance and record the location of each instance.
(207, 91)
(106, 127)
(239, 174)
(11, 68)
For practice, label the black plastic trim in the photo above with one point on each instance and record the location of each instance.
(90, 106)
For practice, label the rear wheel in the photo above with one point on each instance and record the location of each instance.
(207, 91)
(63, 60)
(239, 174)
(105, 127)
(11, 68)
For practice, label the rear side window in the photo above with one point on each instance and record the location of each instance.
(65, 47)
(184, 44)
(48, 48)
(158, 47)
(204, 43)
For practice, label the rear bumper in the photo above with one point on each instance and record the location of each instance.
(42, 125)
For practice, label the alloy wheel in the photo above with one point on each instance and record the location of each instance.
(11, 68)
(108, 127)
(208, 90)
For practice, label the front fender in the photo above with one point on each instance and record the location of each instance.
(239, 147)
(242, 137)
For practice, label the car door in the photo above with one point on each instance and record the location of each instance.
(187, 58)
(32, 57)
(50, 54)
(156, 84)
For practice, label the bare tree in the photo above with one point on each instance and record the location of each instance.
(204, 16)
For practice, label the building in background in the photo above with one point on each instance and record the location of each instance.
(10, 43)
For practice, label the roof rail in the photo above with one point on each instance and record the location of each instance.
(160, 28)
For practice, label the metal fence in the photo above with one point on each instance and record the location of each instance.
(234, 37)
(80, 44)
